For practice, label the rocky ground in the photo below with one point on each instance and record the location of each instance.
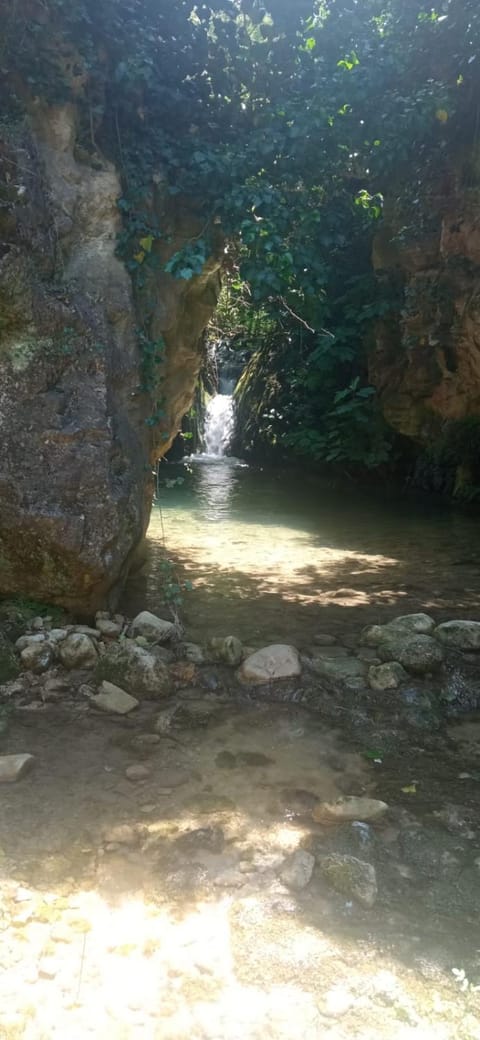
(228, 842)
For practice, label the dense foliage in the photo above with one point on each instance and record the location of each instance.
(286, 121)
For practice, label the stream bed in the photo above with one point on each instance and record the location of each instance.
(167, 874)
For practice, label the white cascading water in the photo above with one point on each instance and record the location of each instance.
(218, 425)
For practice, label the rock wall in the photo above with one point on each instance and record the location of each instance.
(76, 451)
(426, 363)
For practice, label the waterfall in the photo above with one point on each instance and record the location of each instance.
(218, 425)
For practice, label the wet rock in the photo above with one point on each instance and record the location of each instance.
(349, 808)
(298, 869)
(459, 635)
(324, 639)
(273, 662)
(228, 650)
(351, 877)
(137, 771)
(141, 672)
(78, 651)
(388, 676)
(212, 839)
(12, 767)
(419, 654)
(152, 627)
(113, 698)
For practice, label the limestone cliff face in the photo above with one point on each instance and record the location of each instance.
(76, 452)
(426, 364)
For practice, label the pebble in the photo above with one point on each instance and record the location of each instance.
(324, 639)
(12, 767)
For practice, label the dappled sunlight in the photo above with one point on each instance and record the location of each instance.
(167, 916)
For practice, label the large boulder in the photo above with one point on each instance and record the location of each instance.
(459, 635)
(140, 671)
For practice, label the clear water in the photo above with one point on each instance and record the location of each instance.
(275, 555)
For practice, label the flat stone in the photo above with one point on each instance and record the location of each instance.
(388, 676)
(113, 698)
(351, 877)
(12, 767)
(37, 657)
(152, 627)
(78, 651)
(349, 808)
(348, 670)
(138, 771)
(459, 635)
(298, 870)
(278, 661)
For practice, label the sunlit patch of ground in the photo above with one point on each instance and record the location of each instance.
(130, 934)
